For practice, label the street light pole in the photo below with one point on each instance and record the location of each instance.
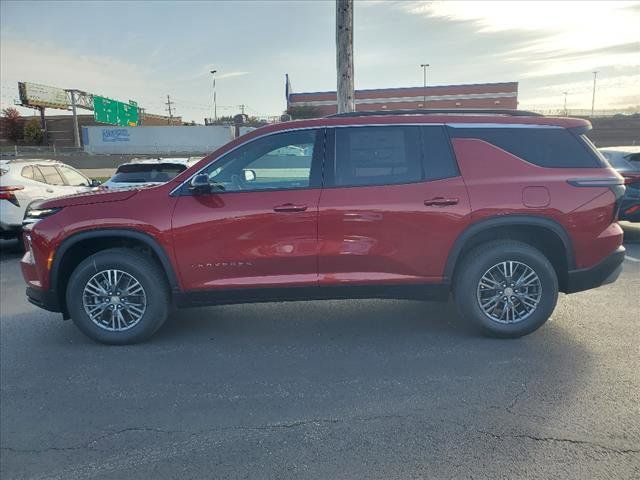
(424, 83)
(215, 106)
(593, 98)
(565, 103)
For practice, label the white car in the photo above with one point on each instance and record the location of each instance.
(148, 172)
(23, 182)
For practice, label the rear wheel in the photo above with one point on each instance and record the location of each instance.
(118, 296)
(507, 288)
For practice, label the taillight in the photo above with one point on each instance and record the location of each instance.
(630, 178)
(6, 193)
(632, 210)
(615, 184)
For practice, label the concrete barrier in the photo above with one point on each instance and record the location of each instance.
(155, 140)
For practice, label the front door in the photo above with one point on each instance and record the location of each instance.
(258, 225)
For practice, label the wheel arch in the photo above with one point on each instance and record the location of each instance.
(543, 233)
(85, 244)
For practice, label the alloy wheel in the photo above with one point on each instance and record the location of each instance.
(509, 292)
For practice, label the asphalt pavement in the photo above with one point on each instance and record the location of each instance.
(374, 389)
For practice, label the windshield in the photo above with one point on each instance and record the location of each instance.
(147, 173)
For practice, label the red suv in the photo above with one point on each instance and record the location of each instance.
(502, 210)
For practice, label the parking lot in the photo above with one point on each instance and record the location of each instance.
(337, 389)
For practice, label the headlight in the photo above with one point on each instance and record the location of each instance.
(36, 214)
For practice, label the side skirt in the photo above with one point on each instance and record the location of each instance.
(432, 292)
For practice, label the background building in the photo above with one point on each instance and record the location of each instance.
(482, 95)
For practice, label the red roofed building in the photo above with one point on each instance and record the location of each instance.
(481, 95)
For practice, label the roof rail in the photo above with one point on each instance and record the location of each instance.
(513, 113)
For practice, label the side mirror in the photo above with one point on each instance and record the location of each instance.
(95, 183)
(200, 184)
(249, 175)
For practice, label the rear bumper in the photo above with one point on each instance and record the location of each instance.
(607, 271)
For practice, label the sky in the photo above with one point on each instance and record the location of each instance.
(145, 51)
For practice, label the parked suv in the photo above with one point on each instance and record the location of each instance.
(25, 181)
(147, 172)
(626, 161)
(502, 210)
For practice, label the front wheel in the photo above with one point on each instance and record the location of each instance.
(507, 288)
(118, 296)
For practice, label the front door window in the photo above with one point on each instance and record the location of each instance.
(275, 162)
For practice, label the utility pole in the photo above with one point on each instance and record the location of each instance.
(76, 128)
(242, 107)
(424, 84)
(215, 106)
(565, 103)
(593, 98)
(344, 55)
(168, 104)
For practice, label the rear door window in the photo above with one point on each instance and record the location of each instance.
(37, 175)
(51, 175)
(542, 146)
(377, 155)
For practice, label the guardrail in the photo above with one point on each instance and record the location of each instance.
(26, 150)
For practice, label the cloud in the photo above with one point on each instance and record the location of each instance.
(560, 36)
(49, 64)
(612, 92)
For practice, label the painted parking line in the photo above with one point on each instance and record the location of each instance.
(633, 259)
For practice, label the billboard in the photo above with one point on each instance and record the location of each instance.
(38, 95)
(113, 112)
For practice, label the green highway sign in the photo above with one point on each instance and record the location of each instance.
(113, 112)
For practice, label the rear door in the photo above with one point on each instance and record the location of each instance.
(55, 184)
(392, 205)
(35, 187)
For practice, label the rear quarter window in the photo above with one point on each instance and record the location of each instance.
(27, 172)
(545, 147)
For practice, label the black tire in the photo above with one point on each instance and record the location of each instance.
(144, 270)
(479, 261)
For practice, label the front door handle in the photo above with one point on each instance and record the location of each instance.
(289, 207)
(441, 202)
(49, 190)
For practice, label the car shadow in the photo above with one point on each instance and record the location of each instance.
(10, 249)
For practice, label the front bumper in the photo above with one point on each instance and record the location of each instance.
(607, 271)
(45, 299)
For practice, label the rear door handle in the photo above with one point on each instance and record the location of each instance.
(441, 202)
(289, 207)
(49, 190)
